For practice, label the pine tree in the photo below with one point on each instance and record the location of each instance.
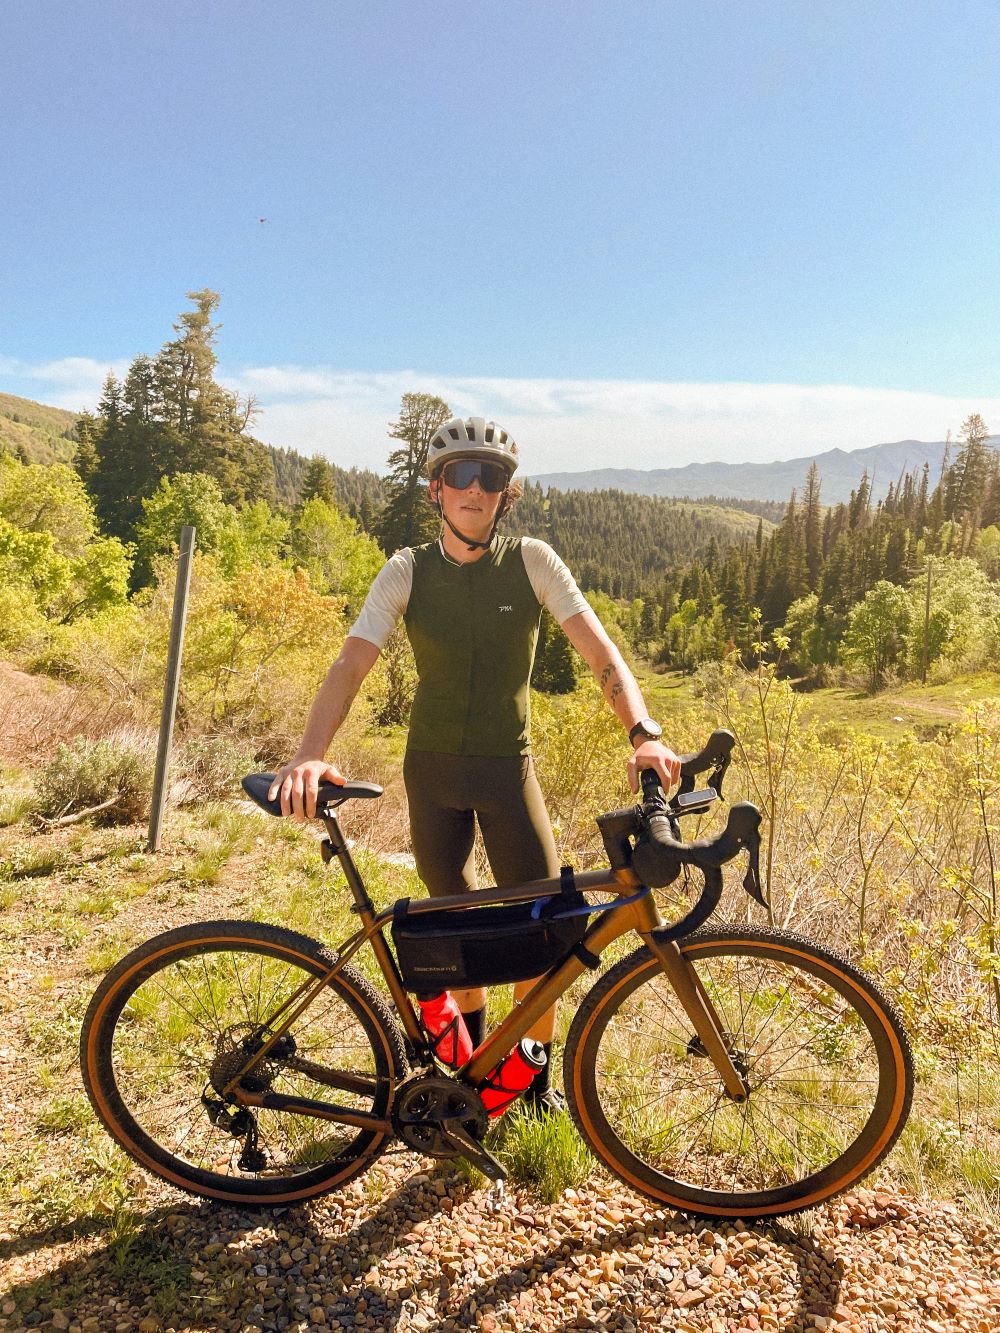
(407, 519)
(317, 484)
(813, 531)
(555, 670)
(972, 470)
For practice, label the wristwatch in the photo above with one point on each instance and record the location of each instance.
(647, 728)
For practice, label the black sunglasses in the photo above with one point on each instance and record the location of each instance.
(460, 475)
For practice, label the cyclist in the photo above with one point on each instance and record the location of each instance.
(471, 603)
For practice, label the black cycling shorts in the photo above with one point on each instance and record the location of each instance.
(448, 793)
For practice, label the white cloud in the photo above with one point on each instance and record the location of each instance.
(573, 425)
(561, 425)
(73, 382)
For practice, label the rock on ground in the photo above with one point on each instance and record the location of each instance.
(411, 1249)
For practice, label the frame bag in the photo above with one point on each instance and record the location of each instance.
(487, 946)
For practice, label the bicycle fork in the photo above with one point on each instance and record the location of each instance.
(700, 1010)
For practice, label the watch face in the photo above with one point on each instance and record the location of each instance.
(647, 727)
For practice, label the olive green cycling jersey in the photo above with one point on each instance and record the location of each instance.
(473, 629)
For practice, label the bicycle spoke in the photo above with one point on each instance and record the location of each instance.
(814, 1072)
(161, 1067)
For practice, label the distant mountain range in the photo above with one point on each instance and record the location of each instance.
(840, 471)
(43, 434)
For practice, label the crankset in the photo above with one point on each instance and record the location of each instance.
(440, 1117)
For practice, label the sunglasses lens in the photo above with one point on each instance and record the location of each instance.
(461, 474)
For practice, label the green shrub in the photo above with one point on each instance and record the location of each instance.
(209, 768)
(20, 618)
(86, 774)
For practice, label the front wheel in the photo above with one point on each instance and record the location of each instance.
(175, 1020)
(822, 1050)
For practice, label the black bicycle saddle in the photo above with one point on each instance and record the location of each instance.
(257, 785)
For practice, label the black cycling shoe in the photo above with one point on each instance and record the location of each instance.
(546, 1102)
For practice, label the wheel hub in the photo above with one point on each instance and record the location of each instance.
(239, 1043)
(740, 1059)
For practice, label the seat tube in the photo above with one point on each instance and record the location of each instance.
(700, 1010)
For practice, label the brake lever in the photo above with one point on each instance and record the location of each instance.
(715, 781)
(751, 880)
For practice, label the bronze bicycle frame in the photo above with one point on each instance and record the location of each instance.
(641, 916)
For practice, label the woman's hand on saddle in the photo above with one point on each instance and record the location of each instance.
(298, 784)
(660, 758)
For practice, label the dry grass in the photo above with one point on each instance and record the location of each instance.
(36, 713)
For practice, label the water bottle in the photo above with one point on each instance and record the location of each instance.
(450, 1040)
(512, 1076)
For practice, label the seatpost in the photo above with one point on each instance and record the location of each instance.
(335, 844)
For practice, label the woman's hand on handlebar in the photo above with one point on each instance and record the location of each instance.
(298, 784)
(660, 758)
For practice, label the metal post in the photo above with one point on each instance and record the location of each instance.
(170, 687)
(927, 622)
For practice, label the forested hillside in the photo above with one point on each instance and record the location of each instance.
(902, 586)
(906, 586)
(36, 433)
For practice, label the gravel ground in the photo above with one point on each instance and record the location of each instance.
(420, 1249)
(414, 1245)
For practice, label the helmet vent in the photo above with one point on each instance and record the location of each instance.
(489, 434)
(470, 430)
(453, 433)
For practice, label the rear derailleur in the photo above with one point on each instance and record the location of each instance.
(242, 1124)
(235, 1048)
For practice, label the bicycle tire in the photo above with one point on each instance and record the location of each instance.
(826, 1058)
(186, 999)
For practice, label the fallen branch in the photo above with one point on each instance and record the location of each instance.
(60, 821)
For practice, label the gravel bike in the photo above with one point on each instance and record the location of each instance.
(725, 1072)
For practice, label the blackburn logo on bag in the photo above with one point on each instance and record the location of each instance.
(505, 608)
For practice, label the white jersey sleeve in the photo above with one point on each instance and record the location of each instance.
(551, 581)
(387, 599)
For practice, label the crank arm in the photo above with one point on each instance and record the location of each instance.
(472, 1149)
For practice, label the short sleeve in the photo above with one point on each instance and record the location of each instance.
(551, 581)
(386, 601)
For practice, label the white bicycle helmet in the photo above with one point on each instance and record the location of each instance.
(474, 437)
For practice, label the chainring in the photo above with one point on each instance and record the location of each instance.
(425, 1101)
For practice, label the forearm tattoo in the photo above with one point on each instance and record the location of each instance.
(609, 671)
(616, 689)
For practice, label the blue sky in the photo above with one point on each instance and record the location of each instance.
(636, 232)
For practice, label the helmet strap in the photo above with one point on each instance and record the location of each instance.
(471, 542)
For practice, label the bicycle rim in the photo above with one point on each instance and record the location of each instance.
(171, 1023)
(823, 1051)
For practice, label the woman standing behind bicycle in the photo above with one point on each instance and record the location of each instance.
(471, 603)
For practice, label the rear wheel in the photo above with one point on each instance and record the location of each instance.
(176, 1019)
(822, 1050)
